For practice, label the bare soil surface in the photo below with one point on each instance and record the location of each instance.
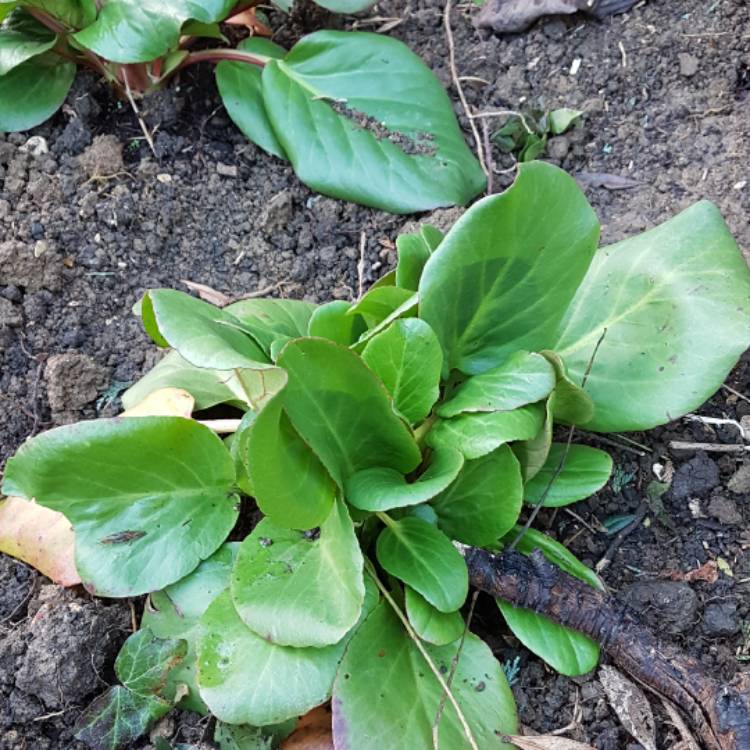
(89, 225)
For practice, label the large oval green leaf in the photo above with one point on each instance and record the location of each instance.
(362, 118)
(676, 305)
(73, 13)
(431, 625)
(21, 38)
(504, 275)
(33, 91)
(342, 410)
(300, 589)
(148, 497)
(386, 696)
(332, 321)
(421, 555)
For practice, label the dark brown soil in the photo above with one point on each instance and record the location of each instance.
(665, 90)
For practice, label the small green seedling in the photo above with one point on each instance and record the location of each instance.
(358, 115)
(525, 134)
(378, 438)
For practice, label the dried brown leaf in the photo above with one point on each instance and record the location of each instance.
(207, 293)
(688, 742)
(249, 19)
(631, 706)
(546, 742)
(708, 572)
(164, 402)
(313, 732)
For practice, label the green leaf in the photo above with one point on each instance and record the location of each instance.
(297, 588)
(431, 625)
(379, 303)
(343, 412)
(676, 305)
(385, 695)
(572, 404)
(532, 453)
(406, 310)
(407, 357)
(382, 489)
(485, 501)
(203, 334)
(423, 557)
(522, 379)
(245, 737)
(117, 718)
(145, 661)
(476, 435)
(241, 92)
(585, 471)
(339, 94)
(345, 6)
(291, 485)
(33, 91)
(332, 321)
(244, 679)
(73, 13)
(133, 32)
(562, 119)
(175, 612)
(413, 253)
(505, 273)
(21, 38)
(148, 497)
(204, 31)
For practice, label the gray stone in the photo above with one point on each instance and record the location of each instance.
(739, 483)
(720, 619)
(673, 604)
(688, 64)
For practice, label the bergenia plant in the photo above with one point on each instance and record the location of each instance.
(358, 115)
(379, 440)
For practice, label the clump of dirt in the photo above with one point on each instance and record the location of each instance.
(103, 158)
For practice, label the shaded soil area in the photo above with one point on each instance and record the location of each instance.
(88, 225)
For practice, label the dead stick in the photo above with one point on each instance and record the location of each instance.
(719, 713)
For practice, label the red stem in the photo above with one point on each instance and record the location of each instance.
(216, 55)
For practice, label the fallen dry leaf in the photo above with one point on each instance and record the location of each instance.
(207, 293)
(164, 402)
(688, 742)
(313, 732)
(631, 706)
(249, 19)
(708, 572)
(41, 537)
(546, 742)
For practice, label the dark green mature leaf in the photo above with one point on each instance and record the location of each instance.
(6, 8)
(504, 275)
(476, 435)
(345, 6)
(332, 321)
(133, 31)
(74, 14)
(523, 378)
(585, 471)
(145, 661)
(34, 91)
(422, 556)
(676, 305)
(203, 334)
(21, 38)
(342, 410)
(407, 357)
(342, 93)
(431, 625)
(291, 485)
(485, 501)
(380, 303)
(148, 497)
(245, 737)
(175, 612)
(572, 404)
(269, 320)
(384, 489)
(297, 588)
(383, 672)
(241, 92)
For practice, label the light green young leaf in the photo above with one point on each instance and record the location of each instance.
(242, 95)
(562, 119)
(413, 253)
(407, 357)
(342, 93)
(406, 310)
(345, 6)
(22, 37)
(382, 489)
(332, 321)
(148, 497)
(342, 411)
(572, 404)
(504, 275)
(297, 588)
(523, 378)
(532, 453)
(484, 502)
(383, 672)
(676, 305)
(379, 303)
(423, 557)
(431, 625)
(585, 471)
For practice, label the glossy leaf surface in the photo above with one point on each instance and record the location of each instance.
(431, 625)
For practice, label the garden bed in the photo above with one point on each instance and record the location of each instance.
(88, 226)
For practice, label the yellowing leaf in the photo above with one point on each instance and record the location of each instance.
(164, 402)
(41, 537)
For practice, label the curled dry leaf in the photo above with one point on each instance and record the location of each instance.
(631, 706)
(249, 19)
(207, 293)
(688, 742)
(41, 537)
(164, 402)
(546, 742)
(313, 732)
(708, 572)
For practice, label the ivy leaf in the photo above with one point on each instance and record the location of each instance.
(300, 589)
(148, 497)
(407, 357)
(245, 737)
(343, 412)
(145, 661)
(475, 289)
(423, 557)
(659, 295)
(332, 321)
(484, 502)
(33, 91)
(241, 93)
(431, 625)
(522, 379)
(572, 404)
(21, 38)
(342, 93)
(585, 471)
(382, 672)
